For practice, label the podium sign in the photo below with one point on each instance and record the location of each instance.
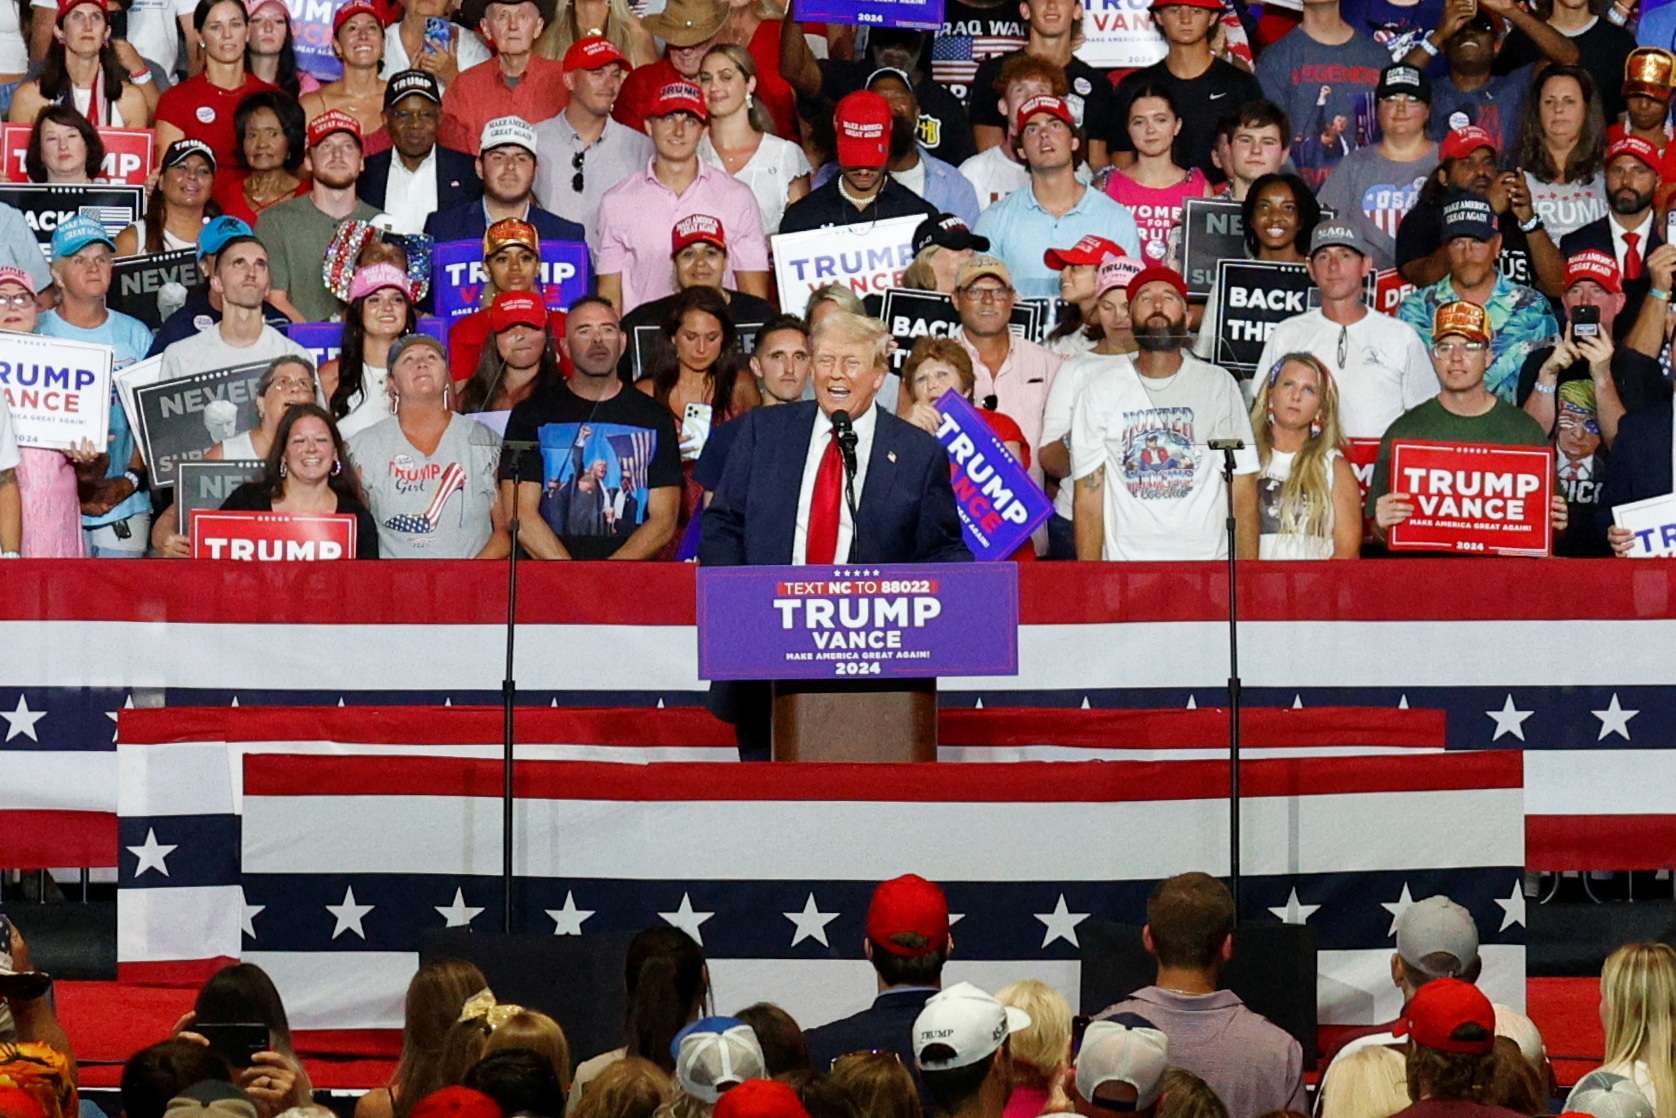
(861, 623)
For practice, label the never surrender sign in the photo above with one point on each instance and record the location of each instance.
(204, 485)
(1471, 497)
(868, 259)
(902, 622)
(999, 504)
(1212, 230)
(59, 391)
(136, 281)
(179, 420)
(272, 537)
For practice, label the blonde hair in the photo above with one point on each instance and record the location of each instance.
(838, 295)
(434, 996)
(918, 276)
(1370, 1082)
(537, 1032)
(755, 111)
(855, 329)
(632, 1087)
(1638, 999)
(561, 32)
(1305, 503)
(1185, 1095)
(878, 1083)
(1045, 1046)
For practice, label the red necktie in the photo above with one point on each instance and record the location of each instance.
(823, 507)
(1632, 256)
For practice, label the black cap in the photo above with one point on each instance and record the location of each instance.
(1403, 79)
(1468, 214)
(947, 231)
(421, 82)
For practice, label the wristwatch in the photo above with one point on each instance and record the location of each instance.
(1532, 224)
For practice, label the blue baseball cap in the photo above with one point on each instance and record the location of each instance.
(76, 234)
(218, 232)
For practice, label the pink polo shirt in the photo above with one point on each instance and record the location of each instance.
(481, 94)
(1020, 387)
(636, 216)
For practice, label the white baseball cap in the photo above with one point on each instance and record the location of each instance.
(969, 1021)
(1116, 1053)
(1604, 1094)
(508, 130)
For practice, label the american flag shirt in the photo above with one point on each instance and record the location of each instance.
(429, 506)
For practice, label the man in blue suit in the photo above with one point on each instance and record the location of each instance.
(782, 495)
(416, 176)
(507, 168)
(1638, 468)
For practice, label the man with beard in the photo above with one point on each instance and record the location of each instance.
(863, 191)
(506, 163)
(1056, 208)
(942, 128)
(1467, 161)
(1628, 232)
(1147, 485)
(931, 178)
(297, 231)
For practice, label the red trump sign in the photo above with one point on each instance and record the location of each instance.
(128, 154)
(272, 537)
(1470, 497)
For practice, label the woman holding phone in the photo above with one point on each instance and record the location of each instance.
(426, 38)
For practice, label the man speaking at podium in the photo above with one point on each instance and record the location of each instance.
(793, 472)
(834, 480)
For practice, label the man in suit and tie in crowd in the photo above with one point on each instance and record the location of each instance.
(1628, 231)
(781, 498)
(417, 176)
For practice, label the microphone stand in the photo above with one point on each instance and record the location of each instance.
(1228, 447)
(509, 686)
(844, 432)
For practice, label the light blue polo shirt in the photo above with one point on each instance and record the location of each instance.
(1020, 231)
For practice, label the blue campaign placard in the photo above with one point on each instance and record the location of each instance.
(909, 621)
(323, 339)
(999, 503)
(458, 275)
(921, 15)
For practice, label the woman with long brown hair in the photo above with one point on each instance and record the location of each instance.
(1562, 149)
(435, 996)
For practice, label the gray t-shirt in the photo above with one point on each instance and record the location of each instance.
(205, 352)
(296, 235)
(434, 506)
(1324, 89)
(1373, 193)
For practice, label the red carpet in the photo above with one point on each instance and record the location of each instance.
(107, 1022)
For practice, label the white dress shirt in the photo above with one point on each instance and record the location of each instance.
(410, 196)
(1641, 245)
(865, 426)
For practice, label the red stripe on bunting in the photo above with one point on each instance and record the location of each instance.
(420, 593)
(33, 839)
(1600, 842)
(175, 972)
(1260, 727)
(1024, 782)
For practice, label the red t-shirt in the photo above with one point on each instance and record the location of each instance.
(204, 111)
(640, 89)
(228, 193)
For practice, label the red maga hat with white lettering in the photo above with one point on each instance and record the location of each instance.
(696, 228)
(1092, 249)
(1593, 264)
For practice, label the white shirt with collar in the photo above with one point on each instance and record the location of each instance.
(410, 196)
(1645, 229)
(865, 427)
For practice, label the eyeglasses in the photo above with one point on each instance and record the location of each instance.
(17, 302)
(576, 165)
(1448, 349)
(988, 294)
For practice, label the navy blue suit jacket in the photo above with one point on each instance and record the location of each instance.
(468, 222)
(1639, 466)
(885, 1026)
(905, 510)
(456, 177)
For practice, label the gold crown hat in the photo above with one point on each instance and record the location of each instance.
(1464, 318)
(1648, 71)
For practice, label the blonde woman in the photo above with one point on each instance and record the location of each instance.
(435, 995)
(880, 1085)
(1307, 501)
(1637, 1007)
(629, 1088)
(614, 19)
(1371, 1082)
(540, 1034)
(1041, 1052)
(741, 138)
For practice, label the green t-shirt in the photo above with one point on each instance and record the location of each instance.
(296, 234)
(1502, 425)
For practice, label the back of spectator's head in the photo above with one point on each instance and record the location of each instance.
(1044, 1047)
(435, 994)
(761, 1098)
(241, 994)
(1514, 1083)
(1436, 938)
(821, 1096)
(833, 297)
(668, 985)
(1638, 1005)
(714, 1054)
(1190, 922)
(520, 1080)
(1371, 1082)
(456, 1102)
(1451, 1029)
(908, 931)
(628, 1088)
(1604, 1094)
(778, 1035)
(211, 1098)
(1522, 1031)
(960, 1045)
(152, 1076)
(533, 1031)
(1121, 1067)
(879, 1084)
(1185, 1095)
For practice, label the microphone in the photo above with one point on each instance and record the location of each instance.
(844, 432)
(1226, 444)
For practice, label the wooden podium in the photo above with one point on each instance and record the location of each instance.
(890, 721)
